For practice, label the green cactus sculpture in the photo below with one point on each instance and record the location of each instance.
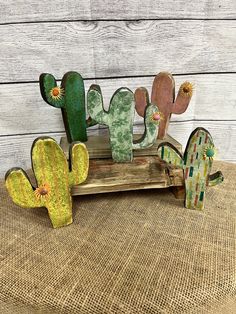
(119, 118)
(163, 95)
(70, 97)
(196, 164)
(54, 179)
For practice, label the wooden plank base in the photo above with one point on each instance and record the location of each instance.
(145, 172)
(98, 146)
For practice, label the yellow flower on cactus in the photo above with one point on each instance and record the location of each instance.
(186, 89)
(156, 117)
(209, 151)
(43, 191)
(56, 93)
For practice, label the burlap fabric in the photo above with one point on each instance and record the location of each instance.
(132, 252)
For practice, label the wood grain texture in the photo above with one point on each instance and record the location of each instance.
(214, 98)
(33, 10)
(99, 146)
(143, 173)
(15, 150)
(116, 48)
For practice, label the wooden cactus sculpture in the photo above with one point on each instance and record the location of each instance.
(119, 119)
(54, 179)
(70, 97)
(163, 95)
(196, 163)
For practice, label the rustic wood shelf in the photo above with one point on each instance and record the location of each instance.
(146, 171)
(98, 146)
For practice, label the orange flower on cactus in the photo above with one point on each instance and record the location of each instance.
(156, 117)
(43, 191)
(186, 89)
(56, 93)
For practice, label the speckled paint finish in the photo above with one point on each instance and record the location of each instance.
(54, 179)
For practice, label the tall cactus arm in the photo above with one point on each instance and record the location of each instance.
(151, 121)
(170, 154)
(20, 188)
(79, 163)
(51, 93)
(183, 98)
(141, 100)
(95, 105)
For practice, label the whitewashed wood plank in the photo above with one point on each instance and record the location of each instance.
(121, 48)
(22, 109)
(33, 10)
(15, 150)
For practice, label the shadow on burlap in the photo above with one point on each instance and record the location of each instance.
(130, 252)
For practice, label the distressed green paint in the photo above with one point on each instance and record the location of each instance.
(120, 118)
(71, 102)
(51, 170)
(196, 166)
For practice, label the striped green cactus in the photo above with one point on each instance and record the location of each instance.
(70, 97)
(196, 163)
(119, 119)
(54, 179)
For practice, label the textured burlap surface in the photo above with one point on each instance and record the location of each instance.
(132, 252)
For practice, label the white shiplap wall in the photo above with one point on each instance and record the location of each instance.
(116, 43)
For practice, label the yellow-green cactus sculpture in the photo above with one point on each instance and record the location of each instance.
(54, 179)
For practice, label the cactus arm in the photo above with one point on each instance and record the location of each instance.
(197, 167)
(163, 93)
(151, 128)
(95, 105)
(20, 188)
(215, 178)
(183, 98)
(119, 119)
(79, 163)
(141, 100)
(74, 114)
(170, 154)
(47, 83)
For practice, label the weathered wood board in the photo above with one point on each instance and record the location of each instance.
(116, 48)
(21, 101)
(33, 10)
(145, 172)
(99, 146)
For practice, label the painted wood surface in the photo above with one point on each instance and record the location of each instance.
(116, 48)
(214, 98)
(33, 10)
